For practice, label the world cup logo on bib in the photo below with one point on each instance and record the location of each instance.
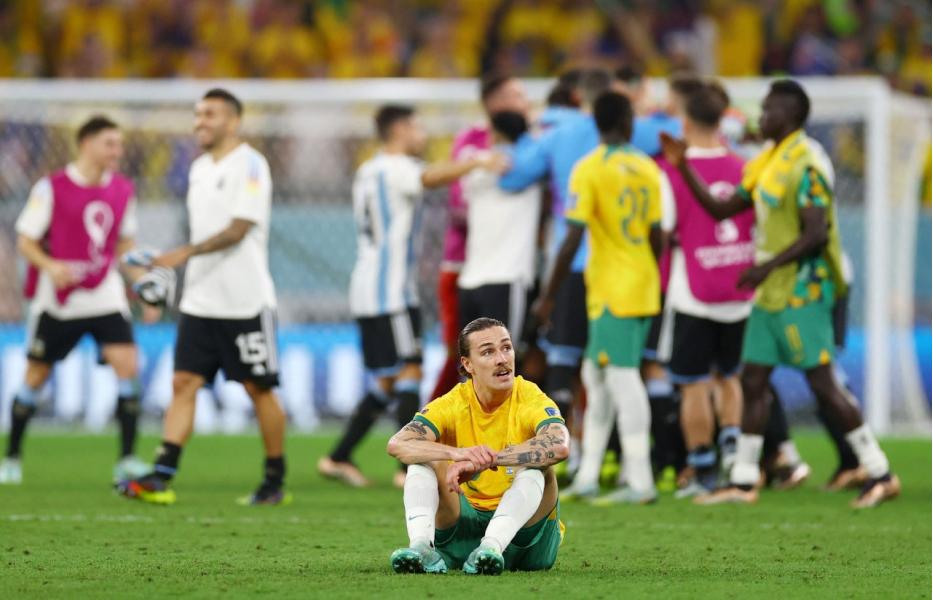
(98, 221)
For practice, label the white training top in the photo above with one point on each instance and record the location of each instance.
(679, 295)
(233, 283)
(502, 230)
(387, 207)
(110, 295)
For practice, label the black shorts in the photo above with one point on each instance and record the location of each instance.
(701, 345)
(654, 334)
(389, 341)
(566, 337)
(52, 339)
(507, 302)
(244, 349)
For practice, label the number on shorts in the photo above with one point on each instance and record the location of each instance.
(252, 347)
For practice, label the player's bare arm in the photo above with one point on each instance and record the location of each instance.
(813, 236)
(31, 249)
(442, 174)
(416, 444)
(545, 303)
(675, 151)
(232, 235)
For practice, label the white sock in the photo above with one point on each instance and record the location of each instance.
(869, 453)
(745, 471)
(421, 498)
(573, 461)
(634, 415)
(597, 425)
(518, 504)
(789, 451)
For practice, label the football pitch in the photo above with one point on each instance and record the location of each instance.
(63, 533)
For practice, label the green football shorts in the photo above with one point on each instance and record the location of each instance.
(617, 341)
(799, 337)
(532, 549)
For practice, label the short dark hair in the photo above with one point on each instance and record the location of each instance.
(707, 105)
(570, 77)
(93, 126)
(509, 124)
(390, 114)
(463, 344)
(491, 84)
(628, 74)
(593, 82)
(562, 95)
(224, 95)
(613, 114)
(684, 84)
(791, 89)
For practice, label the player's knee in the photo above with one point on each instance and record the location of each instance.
(185, 384)
(37, 373)
(754, 383)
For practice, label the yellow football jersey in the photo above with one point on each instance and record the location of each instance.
(458, 420)
(615, 192)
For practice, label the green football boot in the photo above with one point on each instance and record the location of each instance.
(420, 558)
(484, 561)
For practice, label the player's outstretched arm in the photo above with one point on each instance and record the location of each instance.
(445, 173)
(550, 446)
(675, 153)
(416, 444)
(232, 235)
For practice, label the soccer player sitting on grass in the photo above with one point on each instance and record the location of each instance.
(481, 491)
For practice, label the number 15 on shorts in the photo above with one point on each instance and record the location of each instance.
(254, 351)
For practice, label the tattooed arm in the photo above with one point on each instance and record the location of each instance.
(416, 443)
(549, 447)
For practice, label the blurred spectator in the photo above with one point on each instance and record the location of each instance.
(286, 47)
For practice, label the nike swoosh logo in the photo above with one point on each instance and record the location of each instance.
(415, 517)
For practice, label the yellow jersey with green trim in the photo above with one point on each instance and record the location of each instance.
(458, 420)
(615, 192)
(780, 182)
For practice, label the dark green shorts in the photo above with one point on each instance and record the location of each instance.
(617, 341)
(533, 548)
(799, 337)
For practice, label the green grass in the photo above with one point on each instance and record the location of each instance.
(63, 533)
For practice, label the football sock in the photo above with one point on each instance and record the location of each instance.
(367, 412)
(745, 472)
(166, 463)
(788, 450)
(519, 503)
(634, 418)
(24, 407)
(407, 403)
(729, 435)
(559, 385)
(128, 409)
(663, 421)
(870, 454)
(703, 461)
(597, 424)
(274, 474)
(421, 497)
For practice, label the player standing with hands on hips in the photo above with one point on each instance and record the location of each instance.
(227, 307)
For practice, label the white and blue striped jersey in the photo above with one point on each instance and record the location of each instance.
(387, 207)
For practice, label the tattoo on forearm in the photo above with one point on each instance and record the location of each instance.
(419, 429)
(536, 452)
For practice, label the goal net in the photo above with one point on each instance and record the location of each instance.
(315, 133)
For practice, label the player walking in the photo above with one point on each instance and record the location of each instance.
(615, 195)
(75, 226)
(480, 491)
(797, 277)
(387, 192)
(227, 319)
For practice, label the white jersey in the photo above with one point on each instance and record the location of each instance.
(233, 283)
(387, 207)
(502, 229)
(110, 295)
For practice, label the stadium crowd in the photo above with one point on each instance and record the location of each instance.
(430, 38)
